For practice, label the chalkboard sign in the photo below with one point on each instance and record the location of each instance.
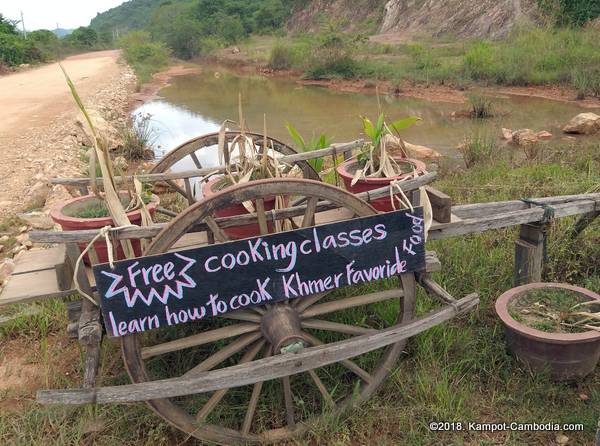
(177, 287)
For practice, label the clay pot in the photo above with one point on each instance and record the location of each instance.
(346, 171)
(211, 188)
(62, 212)
(567, 356)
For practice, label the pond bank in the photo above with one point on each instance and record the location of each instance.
(253, 58)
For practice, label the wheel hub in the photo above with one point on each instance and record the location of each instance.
(281, 326)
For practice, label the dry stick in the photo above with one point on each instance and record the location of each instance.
(113, 202)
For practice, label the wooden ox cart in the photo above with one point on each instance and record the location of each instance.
(268, 372)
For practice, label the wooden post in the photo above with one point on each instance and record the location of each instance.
(90, 329)
(529, 253)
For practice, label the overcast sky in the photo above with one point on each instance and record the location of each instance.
(45, 14)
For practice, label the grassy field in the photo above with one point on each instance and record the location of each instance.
(535, 56)
(458, 372)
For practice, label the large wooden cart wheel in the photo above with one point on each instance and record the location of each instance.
(283, 408)
(196, 149)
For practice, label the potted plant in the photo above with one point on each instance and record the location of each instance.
(245, 162)
(108, 207)
(553, 326)
(374, 167)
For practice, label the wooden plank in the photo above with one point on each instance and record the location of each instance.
(441, 204)
(487, 218)
(39, 259)
(30, 287)
(264, 369)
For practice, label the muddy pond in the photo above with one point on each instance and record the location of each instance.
(196, 104)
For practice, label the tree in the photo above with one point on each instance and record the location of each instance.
(8, 26)
(43, 36)
(83, 36)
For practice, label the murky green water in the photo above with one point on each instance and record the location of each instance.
(197, 104)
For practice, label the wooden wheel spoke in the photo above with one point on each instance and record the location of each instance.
(199, 339)
(243, 315)
(261, 216)
(188, 191)
(219, 394)
(303, 303)
(176, 187)
(326, 395)
(196, 160)
(256, 389)
(349, 364)
(320, 324)
(289, 401)
(218, 233)
(351, 302)
(309, 214)
(226, 352)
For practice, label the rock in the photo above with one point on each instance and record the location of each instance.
(562, 439)
(58, 194)
(507, 134)
(36, 197)
(107, 132)
(17, 249)
(235, 50)
(583, 124)
(148, 154)
(1, 248)
(23, 229)
(22, 238)
(24, 65)
(413, 150)
(37, 220)
(543, 134)
(524, 137)
(4, 239)
(7, 266)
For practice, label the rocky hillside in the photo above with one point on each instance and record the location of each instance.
(405, 19)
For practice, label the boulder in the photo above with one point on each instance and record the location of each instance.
(58, 194)
(36, 196)
(583, 124)
(413, 150)
(543, 134)
(524, 137)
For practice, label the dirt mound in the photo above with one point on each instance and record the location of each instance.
(401, 20)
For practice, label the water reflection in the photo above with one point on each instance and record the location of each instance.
(197, 104)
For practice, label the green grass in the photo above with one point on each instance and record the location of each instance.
(532, 56)
(459, 371)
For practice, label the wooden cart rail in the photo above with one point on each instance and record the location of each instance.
(261, 370)
(472, 218)
(334, 149)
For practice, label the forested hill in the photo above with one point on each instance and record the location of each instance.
(458, 18)
(149, 14)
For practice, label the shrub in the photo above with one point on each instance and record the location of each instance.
(333, 55)
(144, 55)
(477, 149)
(281, 57)
(138, 136)
(481, 107)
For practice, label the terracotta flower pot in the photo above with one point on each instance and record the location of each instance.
(62, 214)
(567, 356)
(211, 188)
(347, 169)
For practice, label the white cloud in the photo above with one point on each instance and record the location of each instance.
(45, 14)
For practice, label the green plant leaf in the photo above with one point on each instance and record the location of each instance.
(296, 136)
(368, 128)
(404, 123)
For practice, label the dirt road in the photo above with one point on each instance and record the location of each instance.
(36, 116)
